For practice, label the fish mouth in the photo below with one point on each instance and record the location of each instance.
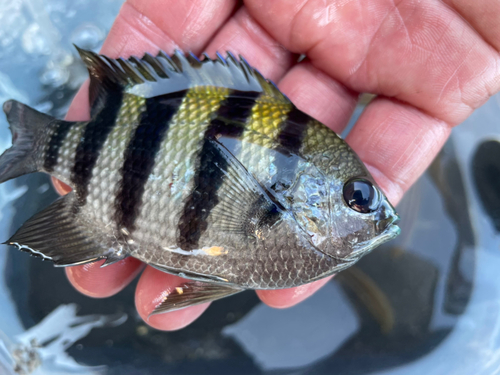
(363, 248)
(391, 231)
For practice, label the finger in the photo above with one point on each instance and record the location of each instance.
(144, 27)
(422, 53)
(97, 282)
(483, 15)
(152, 289)
(61, 187)
(319, 95)
(403, 142)
(242, 35)
(147, 26)
(283, 298)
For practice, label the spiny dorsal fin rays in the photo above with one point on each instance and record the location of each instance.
(146, 77)
(157, 67)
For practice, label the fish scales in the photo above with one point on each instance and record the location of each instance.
(106, 174)
(57, 137)
(202, 169)
(229, 121)
(171, 180)
(267, 260)
(91, 143)
(64, 150)
(258, 265)
(259, 139)
(140, 156)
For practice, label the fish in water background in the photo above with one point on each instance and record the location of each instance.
(410, 331)
(201, 169)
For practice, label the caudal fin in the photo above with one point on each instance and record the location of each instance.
(26, 125)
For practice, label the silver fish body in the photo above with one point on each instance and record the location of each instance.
(201, 169)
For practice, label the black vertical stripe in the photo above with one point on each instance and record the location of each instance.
(292, 132)
(289, 142)
(140, 154)
(56, 140)
(229, 122)
(95, 134)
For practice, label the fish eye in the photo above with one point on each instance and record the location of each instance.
(361, 195)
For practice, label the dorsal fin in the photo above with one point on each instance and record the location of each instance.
(104, 79)
(163, 74)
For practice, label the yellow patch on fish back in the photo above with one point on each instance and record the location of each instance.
(200, 102)
(179, 290)
(266, 118)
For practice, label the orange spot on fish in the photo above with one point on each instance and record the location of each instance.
(215, 251)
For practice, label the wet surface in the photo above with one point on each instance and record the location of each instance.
(428, 302)
(486, 167)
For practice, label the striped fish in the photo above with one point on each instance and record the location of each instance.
(202, 169)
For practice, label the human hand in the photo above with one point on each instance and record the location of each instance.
(431, 63)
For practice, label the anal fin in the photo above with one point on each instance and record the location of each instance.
(62, 234)
(193, 293)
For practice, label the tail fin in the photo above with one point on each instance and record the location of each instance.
(26, 126)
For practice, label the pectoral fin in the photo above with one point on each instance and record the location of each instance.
(245, 205)
(193, 293)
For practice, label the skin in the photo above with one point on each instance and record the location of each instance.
(431, 62)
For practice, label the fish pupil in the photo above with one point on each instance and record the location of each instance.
(361, 195)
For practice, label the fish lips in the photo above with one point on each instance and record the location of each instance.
(387, 227)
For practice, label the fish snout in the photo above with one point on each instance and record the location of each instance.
(387, 217)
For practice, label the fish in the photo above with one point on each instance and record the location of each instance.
(200, 168)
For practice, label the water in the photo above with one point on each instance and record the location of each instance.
(42, 348)
(428, 302)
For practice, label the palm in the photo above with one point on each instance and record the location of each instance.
(430, 67)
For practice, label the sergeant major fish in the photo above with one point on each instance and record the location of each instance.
(199, 168)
